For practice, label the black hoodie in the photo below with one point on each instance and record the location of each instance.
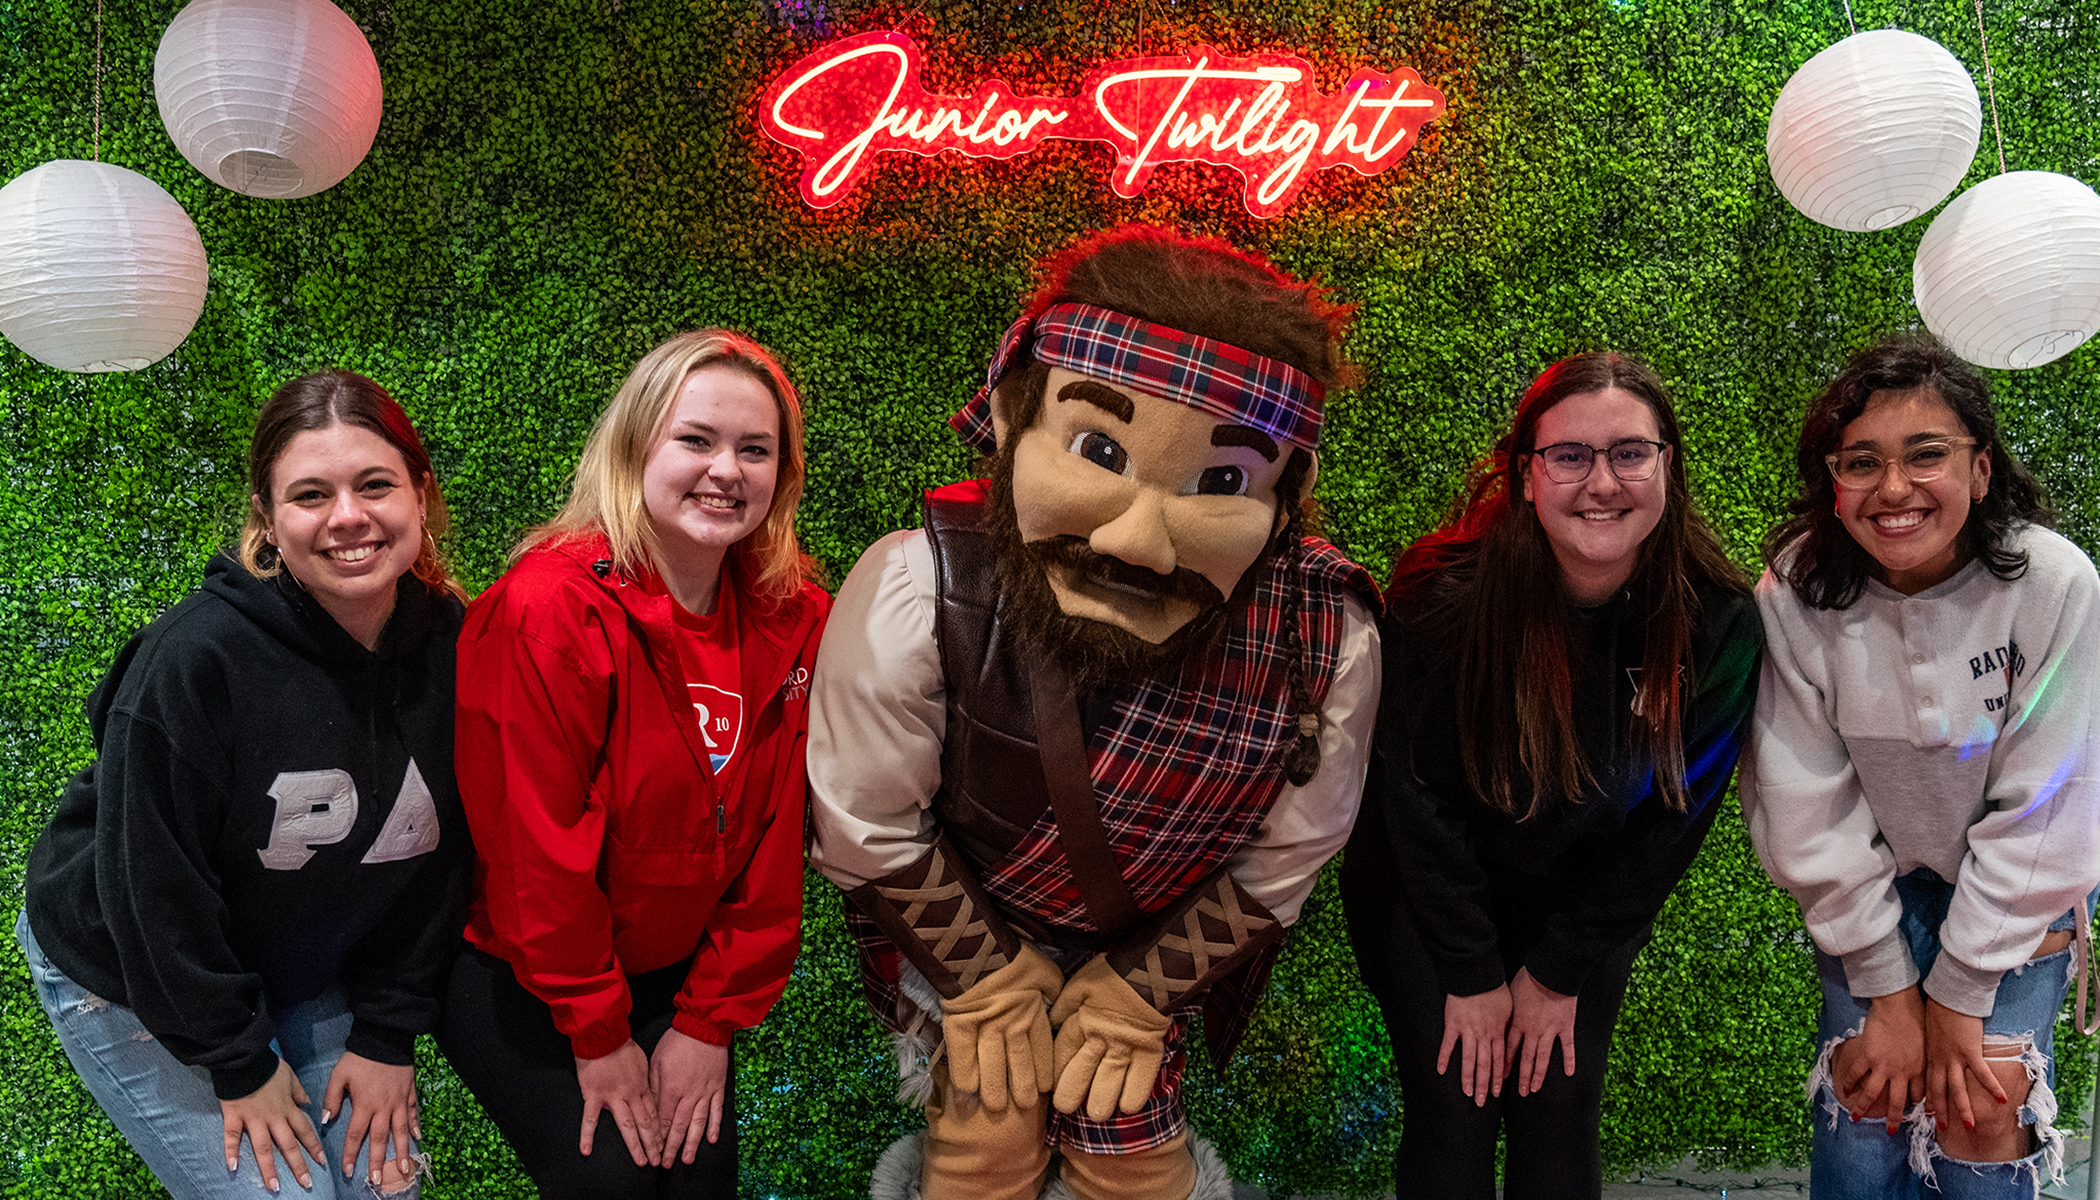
(271, 813)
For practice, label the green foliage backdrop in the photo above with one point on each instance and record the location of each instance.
(559, 185)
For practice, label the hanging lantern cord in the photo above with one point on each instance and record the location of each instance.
(1849, 23)
(98, 80)
(1990, 86)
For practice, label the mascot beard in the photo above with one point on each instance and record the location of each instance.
(1094, 653)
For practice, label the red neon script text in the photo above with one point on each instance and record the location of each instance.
(1260, 115)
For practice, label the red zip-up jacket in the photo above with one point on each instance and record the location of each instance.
(606, 846)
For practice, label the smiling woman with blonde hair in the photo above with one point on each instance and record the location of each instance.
(632, 713)
(607, 495)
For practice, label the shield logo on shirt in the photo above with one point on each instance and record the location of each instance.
(721, 717)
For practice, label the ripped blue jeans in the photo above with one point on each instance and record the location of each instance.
(168, 1112)
(1858, 1160)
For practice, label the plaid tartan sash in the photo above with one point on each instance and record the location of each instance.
(1187, 766)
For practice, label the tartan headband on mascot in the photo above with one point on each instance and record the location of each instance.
(1225, 381)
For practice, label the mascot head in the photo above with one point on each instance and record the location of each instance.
(1152, 420)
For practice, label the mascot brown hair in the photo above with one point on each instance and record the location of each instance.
(1080, 745)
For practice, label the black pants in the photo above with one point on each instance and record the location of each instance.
(1447, 1143)
(501, 1040)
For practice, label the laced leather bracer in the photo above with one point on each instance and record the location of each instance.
(1215, 929)
(937, 915)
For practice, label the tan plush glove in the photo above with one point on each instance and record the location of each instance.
(1109, 1043)
(998, 1032)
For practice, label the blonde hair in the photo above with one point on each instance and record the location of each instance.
(319, 401)
(606, 495)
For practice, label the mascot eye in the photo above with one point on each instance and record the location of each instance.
(1101, 450)
(1221, 481)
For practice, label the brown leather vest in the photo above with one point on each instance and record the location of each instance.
(992, 791)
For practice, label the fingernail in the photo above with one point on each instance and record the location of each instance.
(1968, 1124)
(326, 1116)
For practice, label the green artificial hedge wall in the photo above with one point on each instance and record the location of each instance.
(559, 185)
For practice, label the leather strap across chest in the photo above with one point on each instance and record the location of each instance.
(1014, 746)
(1062, 752)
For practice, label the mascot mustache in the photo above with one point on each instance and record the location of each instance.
(1075, 555)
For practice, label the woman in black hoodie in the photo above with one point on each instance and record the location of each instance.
(1570, 665)
(245, 903)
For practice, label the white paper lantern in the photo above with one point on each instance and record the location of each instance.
(273, 98)
(1874, 130)
(100, 269)
(2009, 274)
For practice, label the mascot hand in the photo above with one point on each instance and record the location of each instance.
(1109, 1044)
(998, 1032)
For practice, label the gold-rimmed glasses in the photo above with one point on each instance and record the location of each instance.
(1920, 463)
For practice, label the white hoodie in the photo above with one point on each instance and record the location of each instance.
(1957, 729)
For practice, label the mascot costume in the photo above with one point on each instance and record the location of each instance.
(1080, 745)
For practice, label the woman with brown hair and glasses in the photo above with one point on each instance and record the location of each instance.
(1570, 665)
(240, 914)
(1924, 777)
(633, 706)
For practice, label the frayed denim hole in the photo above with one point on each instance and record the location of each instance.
(1923, 1146)
(411, 1188)
(2040, 1111)
(1819, 1075)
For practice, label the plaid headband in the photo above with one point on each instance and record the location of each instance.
(1224, 381)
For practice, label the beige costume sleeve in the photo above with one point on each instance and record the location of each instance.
(877, 716)
(878, 713)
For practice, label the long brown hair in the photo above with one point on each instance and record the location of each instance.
(606, 496)
(1486, 588)
(318, 401)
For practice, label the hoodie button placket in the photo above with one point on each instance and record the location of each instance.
(1925, 692)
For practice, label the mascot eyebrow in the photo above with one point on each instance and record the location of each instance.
(1118, 405)
(1245, 435)
(1101, 396)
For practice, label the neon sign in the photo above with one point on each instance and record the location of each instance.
(846, 103)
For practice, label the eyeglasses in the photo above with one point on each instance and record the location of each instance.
(1921, 463)
(1632, 460)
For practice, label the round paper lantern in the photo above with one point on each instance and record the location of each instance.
(2009, 274)
(100, 269)
(273, 98)
(1874, 130)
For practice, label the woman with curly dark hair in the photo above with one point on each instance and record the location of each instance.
(1922, 776)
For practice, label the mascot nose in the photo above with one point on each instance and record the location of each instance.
(1138, 535)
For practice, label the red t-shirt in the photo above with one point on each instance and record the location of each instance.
(707, 654)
